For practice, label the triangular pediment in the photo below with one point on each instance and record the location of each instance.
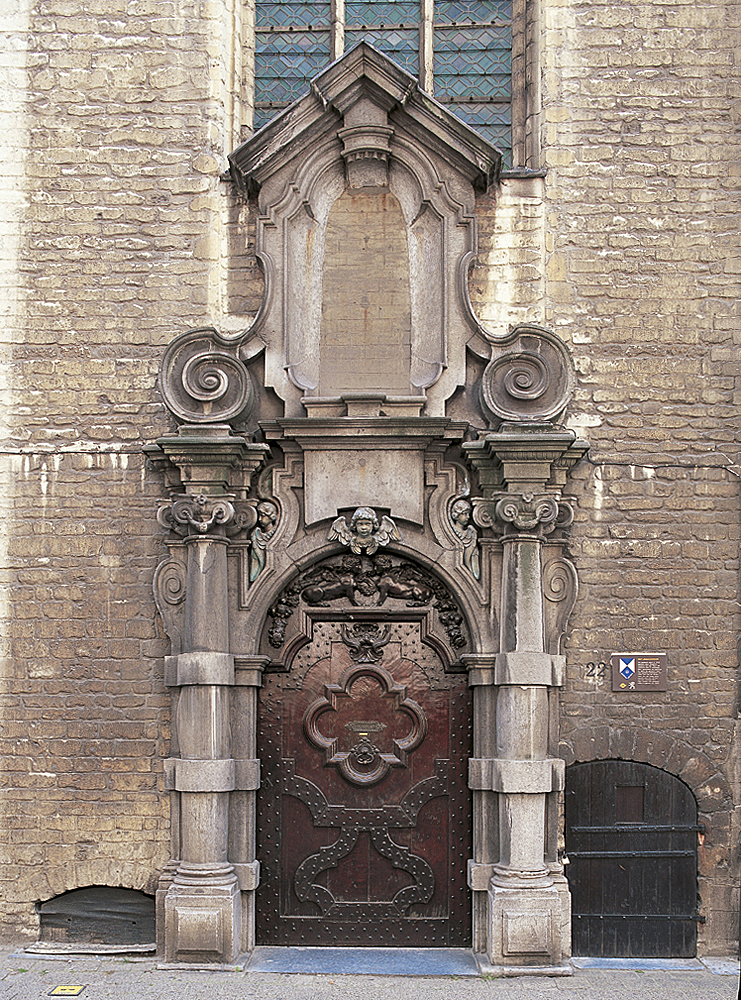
(365, 85)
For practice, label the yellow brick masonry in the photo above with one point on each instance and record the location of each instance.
(116, 120)
(641, 143)
(116, 233)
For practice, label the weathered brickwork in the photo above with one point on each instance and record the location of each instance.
(116, 125)
(642, 278)
(366, 310)
(116, 233)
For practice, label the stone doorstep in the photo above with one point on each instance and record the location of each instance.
(364, 961)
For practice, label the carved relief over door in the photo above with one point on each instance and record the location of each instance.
(364, 815)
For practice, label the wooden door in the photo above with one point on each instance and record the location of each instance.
(364, 812)
(631, 839)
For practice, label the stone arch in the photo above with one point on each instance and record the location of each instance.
(447, 598)
(79, 875)
(287, 563)
(692, 766)
(710, 787)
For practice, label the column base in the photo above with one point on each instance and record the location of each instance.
(203, 916)
(526, 927)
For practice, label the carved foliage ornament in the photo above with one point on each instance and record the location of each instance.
(531, 380)
(199, 514)
(203, 380)
(202, 515)
(523, 512)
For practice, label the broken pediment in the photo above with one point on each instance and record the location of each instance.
(366, 190)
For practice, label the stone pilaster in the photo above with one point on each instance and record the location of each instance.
(202, 907)
(519, 470)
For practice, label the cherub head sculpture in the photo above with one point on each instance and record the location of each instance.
(365, 533)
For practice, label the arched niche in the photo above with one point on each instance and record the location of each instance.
(111, 916)
(365, 132)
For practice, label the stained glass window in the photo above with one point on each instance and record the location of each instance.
(291, 47)
(472, 66)
(391, 26)
(387, 13)
(472, 60)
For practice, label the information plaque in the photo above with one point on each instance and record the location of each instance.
(638, 671)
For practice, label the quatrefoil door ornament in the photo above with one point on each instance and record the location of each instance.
(364, 709)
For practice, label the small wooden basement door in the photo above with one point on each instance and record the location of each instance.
(364, 811)
(631, 840)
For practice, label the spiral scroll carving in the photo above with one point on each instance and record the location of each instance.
(203, 380)
(531, 380)
(559, 581)
(169, 586)
(169, 582)
(198, 514)
(525, 376)
(560, 589)
(526, 512)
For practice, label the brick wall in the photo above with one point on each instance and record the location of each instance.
(642, 278)
(366, 308)
(116, 234)
(115, 125)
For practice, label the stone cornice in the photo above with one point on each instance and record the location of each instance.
(329, 433)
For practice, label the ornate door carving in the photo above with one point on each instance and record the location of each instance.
(364, 814)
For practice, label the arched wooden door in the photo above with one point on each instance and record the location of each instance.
(364, 811)
(631, 839)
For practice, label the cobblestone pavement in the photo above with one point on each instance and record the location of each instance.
(25, 977)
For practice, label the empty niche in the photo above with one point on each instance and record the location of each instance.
(366, 326)
(98, 915)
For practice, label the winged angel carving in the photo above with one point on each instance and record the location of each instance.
(365, 533)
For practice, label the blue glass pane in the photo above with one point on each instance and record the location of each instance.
(285, 62)
(399, 45)
(492, 121)
(263, 116)
(473, 62)
(286, 15)
(384, 13)
(480, 12)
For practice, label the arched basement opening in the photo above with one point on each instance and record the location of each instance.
(99, 917)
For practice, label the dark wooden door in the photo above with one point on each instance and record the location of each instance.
(364, 812)
(631, 839)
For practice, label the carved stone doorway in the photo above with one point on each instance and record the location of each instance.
(364, 818)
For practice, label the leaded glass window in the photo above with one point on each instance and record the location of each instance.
(291, 46)
(470, 70)
(472, 66)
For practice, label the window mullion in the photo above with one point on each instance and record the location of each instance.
(426, 18)
(337, 40)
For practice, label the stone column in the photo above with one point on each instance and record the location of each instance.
(203, 905)
(524, 905)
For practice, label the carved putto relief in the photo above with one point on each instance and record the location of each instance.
(461, 513)
(364, 581)
(365, 533)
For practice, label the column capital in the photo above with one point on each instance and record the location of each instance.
(210, 461)
(524, 458)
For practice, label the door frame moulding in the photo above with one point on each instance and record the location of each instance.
(246, 518)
